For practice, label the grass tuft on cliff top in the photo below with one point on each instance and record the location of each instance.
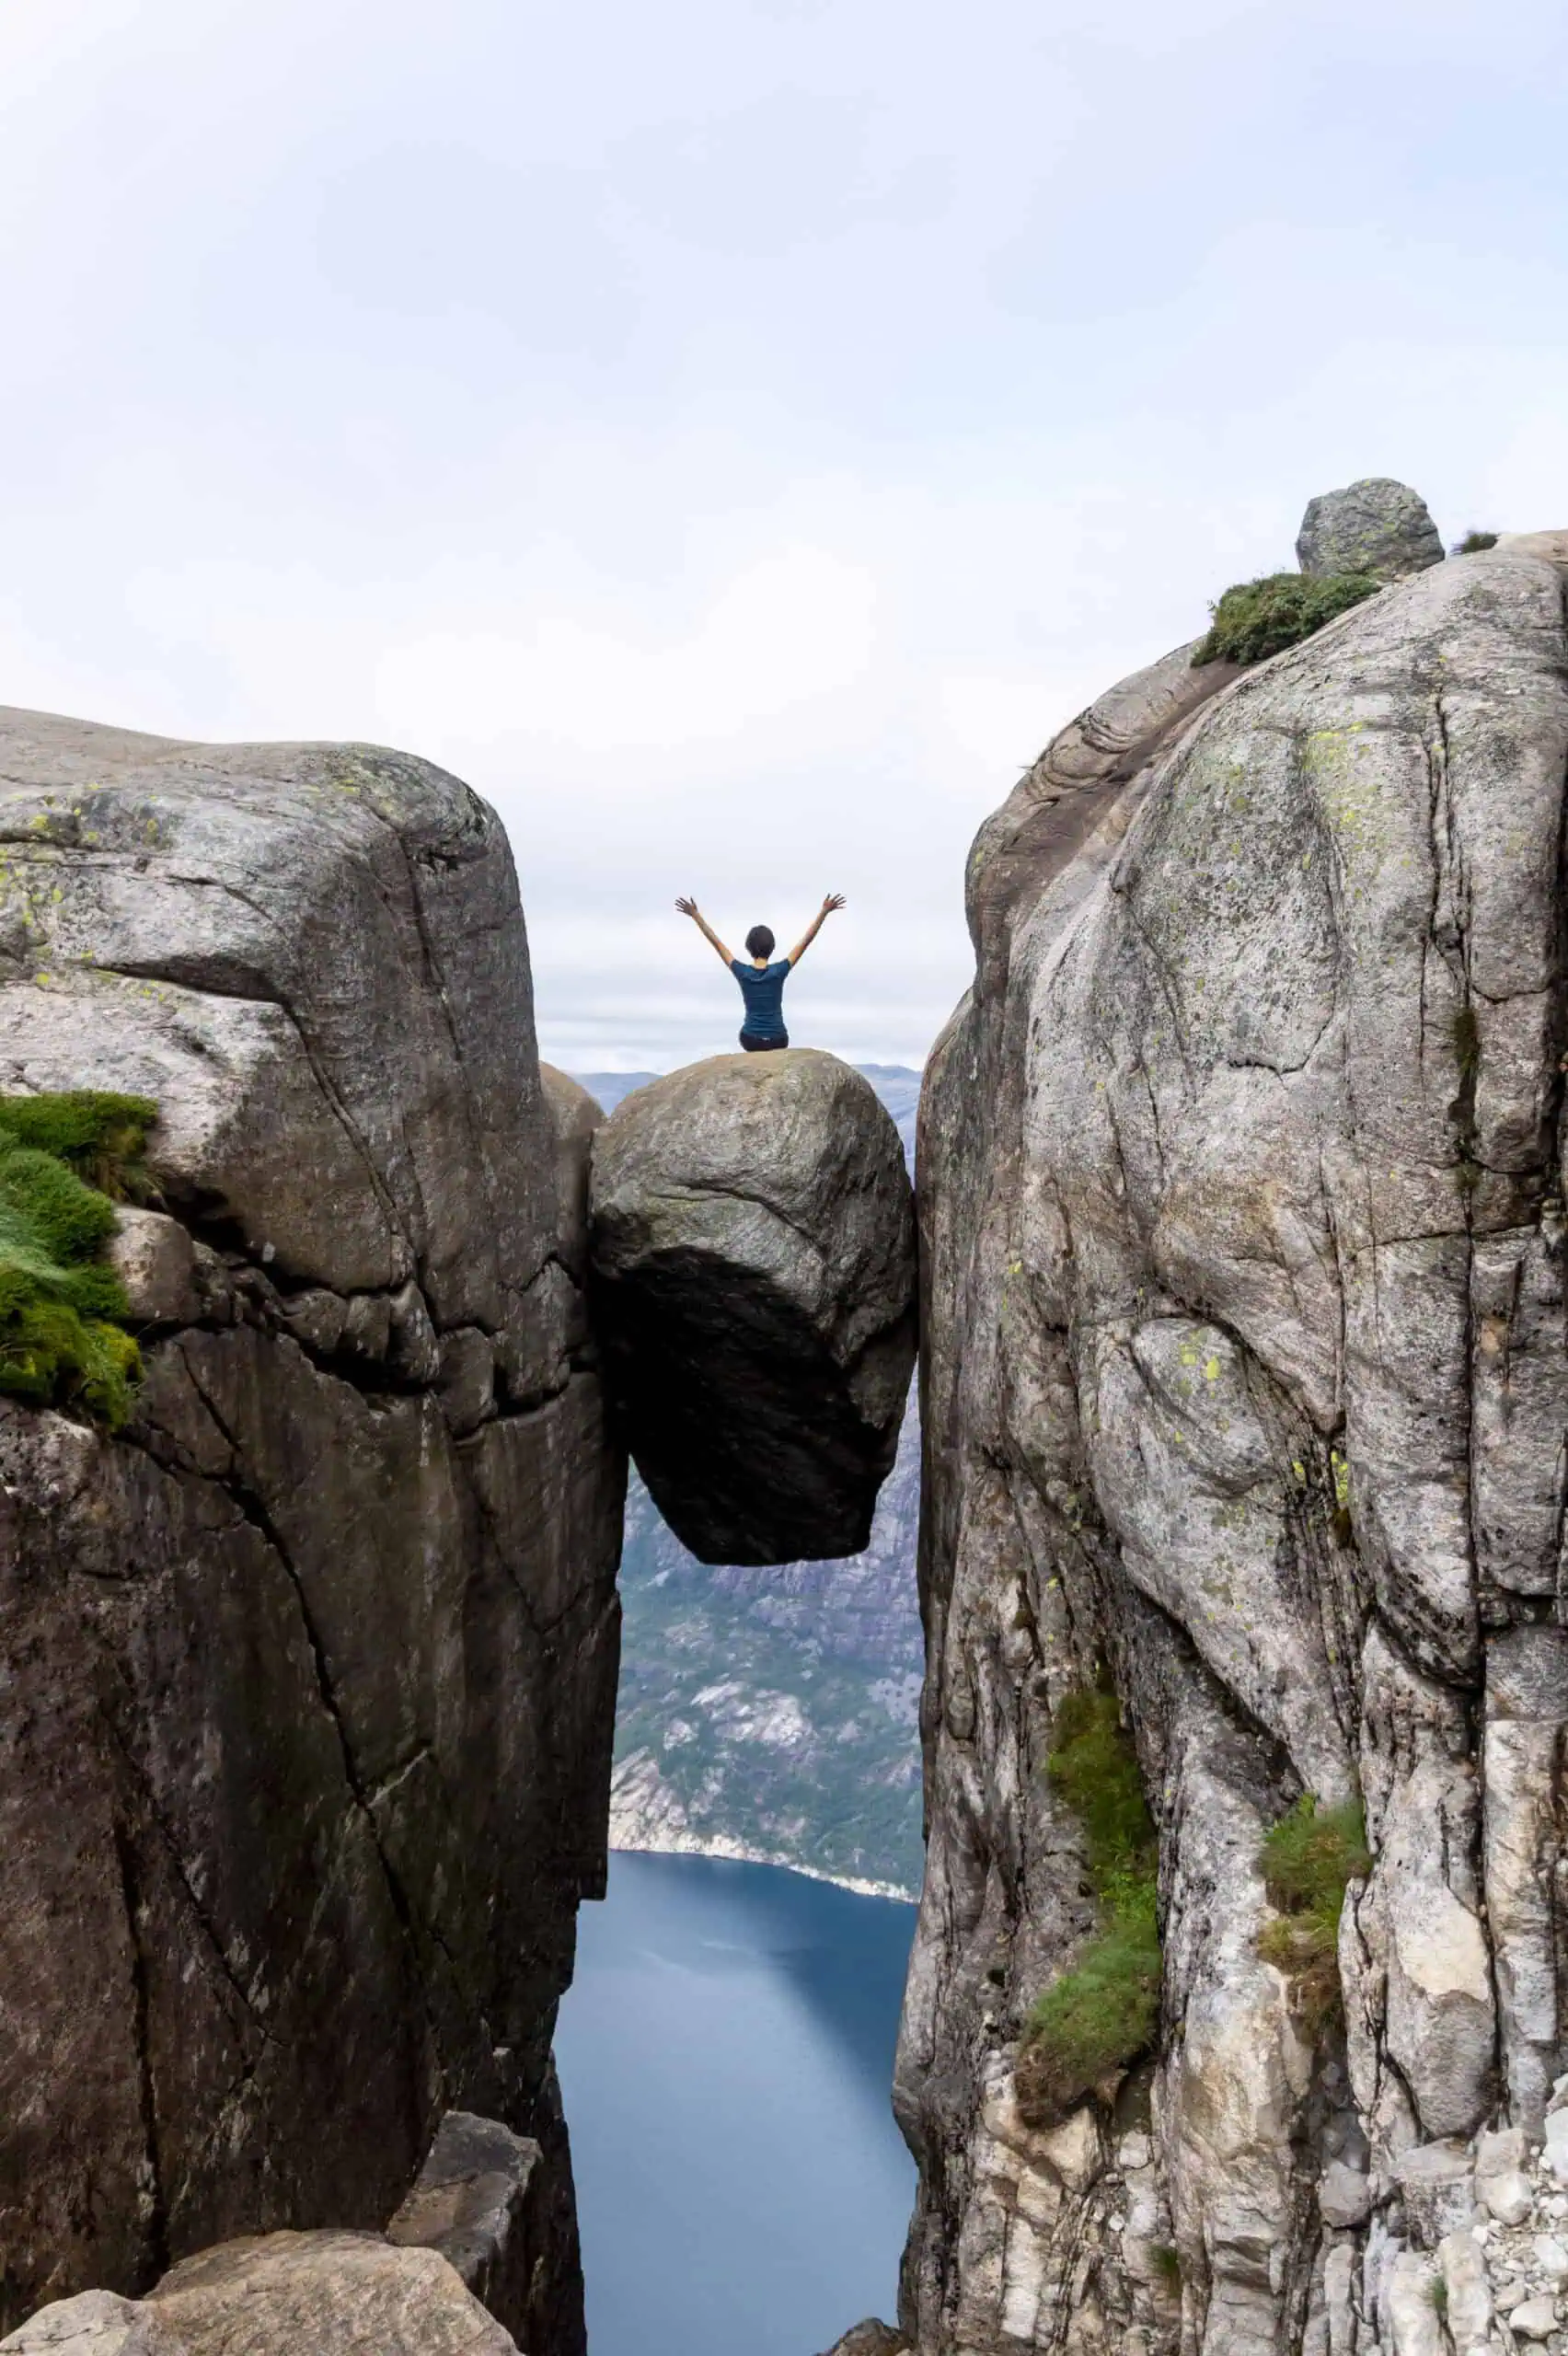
(1256, 619)
(1104, 2014)
(1309, 1859)
(64, 1162)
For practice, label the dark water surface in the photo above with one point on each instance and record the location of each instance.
(725, 2052)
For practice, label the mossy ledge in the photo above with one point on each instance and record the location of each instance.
(1308, 1861)
(66, 1160)
(1256, 619)
(1102, 2015)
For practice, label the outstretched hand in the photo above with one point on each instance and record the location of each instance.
(834, 900)
(688, 907)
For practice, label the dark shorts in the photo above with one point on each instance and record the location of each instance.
(755, 1047)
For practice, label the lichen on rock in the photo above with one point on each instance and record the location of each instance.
(1244, 1373)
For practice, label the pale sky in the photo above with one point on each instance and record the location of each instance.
(733, 435)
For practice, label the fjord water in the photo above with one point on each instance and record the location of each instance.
(725, 2052)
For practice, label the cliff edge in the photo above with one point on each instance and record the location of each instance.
(310, 1666)
(1244, 1390)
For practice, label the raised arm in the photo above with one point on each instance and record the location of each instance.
(689, 909)
(834, 900)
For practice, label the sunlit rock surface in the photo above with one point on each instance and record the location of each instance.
(1244, 1384)
(344, 2294)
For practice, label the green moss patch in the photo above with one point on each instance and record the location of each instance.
(1257, 618)
(1100, 2015)
(1095, 1769)
(64, 1158)
(1474, 544)
(1308, 1860)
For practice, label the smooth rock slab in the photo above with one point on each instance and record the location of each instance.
(1468, 2297)
(342, 2294)
(754, 1263)
(469, 2203)
(1344, 2195)
(1410, 2302)
(1375, 525)
(1439, 2185)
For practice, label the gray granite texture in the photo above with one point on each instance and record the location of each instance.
(1244, 1384)
(754, 1292)
(1375, 525)
(280, 2294)
(310, 1672)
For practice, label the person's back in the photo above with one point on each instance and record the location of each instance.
(762, 981)
(762, 988)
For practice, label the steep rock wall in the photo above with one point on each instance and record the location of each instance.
(310, 1672)
(1244, 1383)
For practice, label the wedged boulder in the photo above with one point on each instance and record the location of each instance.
(470, 2202)
(310, 1671)
(343, 2295)
(754, 1263)
(1375, 525)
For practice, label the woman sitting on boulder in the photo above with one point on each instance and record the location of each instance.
(762, 984)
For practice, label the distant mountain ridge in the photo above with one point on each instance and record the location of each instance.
(771, 1713)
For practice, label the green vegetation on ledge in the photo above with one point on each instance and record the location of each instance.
(1101, 2014)
(1308, 1860)
(1257, 618)
(65, 1160)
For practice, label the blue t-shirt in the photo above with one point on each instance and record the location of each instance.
(762, 990)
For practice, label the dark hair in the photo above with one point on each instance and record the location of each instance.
(759, 941)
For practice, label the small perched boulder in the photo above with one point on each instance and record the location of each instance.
(346, 2294)
(1344, 2195)
(1501, 2185)
(1437, 2181)
(1375, 525)
(871, 2339)
(754, 1265)
(469, 2202)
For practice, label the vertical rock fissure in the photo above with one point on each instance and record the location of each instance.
(256, 1512)
(155, 2221)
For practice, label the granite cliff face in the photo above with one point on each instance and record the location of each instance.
(310, 1672)
(1245, 1390)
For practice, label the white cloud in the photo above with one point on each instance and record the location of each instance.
(734, 436)
(795, 625)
